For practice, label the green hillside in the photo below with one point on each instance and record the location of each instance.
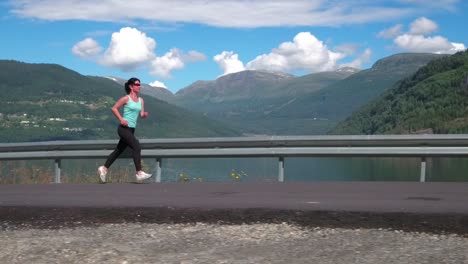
(246, 99)
(433, 100)
(322, 102)
(234, 87)
(50, 102)
(340, 99)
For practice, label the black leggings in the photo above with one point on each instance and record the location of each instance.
(127, 138)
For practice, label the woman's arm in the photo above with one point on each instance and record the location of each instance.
(143, 114)
(116, 107)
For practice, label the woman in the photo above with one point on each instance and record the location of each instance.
(132, 107)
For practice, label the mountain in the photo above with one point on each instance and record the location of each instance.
(235, 86)
(156, 92)
(51, 102)
(243, 99)
(313, 82)
(327, 106)
(432, 100)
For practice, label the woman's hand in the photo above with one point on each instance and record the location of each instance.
(144, 114)
(123, 122)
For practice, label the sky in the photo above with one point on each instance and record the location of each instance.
(174, 43)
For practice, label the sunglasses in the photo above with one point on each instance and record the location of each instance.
(137, 84)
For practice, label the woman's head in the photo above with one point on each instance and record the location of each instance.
(132, 82)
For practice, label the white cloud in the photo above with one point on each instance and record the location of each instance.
(359, 61)
(305, 53)
(194, 56)
(456, 47)
(391, 32)
(158, 84)
(439, 4)
(348, 48)
(420, 43)
(129, 49)
(229, 62)
(86, 48)
(229, 13)
(163, 66)
(175, 59)
(423, 26)
(416, 40)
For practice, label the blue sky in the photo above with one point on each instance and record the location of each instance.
(174, 43)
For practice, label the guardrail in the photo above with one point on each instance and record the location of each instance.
(281, 147)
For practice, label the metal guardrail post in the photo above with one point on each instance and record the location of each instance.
(281, 169)
(57, 169)
(422, 177)
(158, 170)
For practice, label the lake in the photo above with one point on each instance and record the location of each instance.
(243, 169)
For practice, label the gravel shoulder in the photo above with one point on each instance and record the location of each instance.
(222, 243)
(235, 223)
(171, 235)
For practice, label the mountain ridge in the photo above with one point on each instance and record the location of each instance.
(341, 98)
(51, 102)
(265, 104)
(432, 100)
(309, 104)
(232, 86)
(161, 93)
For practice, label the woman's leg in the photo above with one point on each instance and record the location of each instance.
(134, 144)
(121, 146)
(127, 135)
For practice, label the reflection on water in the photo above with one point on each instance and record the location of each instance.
(242, 169)
(447, 169)
(353, 169)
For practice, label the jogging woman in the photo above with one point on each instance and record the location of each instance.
(132, 107)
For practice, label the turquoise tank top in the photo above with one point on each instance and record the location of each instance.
(131, 111)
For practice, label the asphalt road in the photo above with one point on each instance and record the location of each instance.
(403, 205)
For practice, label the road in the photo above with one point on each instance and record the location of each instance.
(403, 205)
(320, 222)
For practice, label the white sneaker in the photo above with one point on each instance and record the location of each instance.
(102, 172)
(142, 176)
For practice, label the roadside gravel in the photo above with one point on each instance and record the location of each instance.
(224, 243)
